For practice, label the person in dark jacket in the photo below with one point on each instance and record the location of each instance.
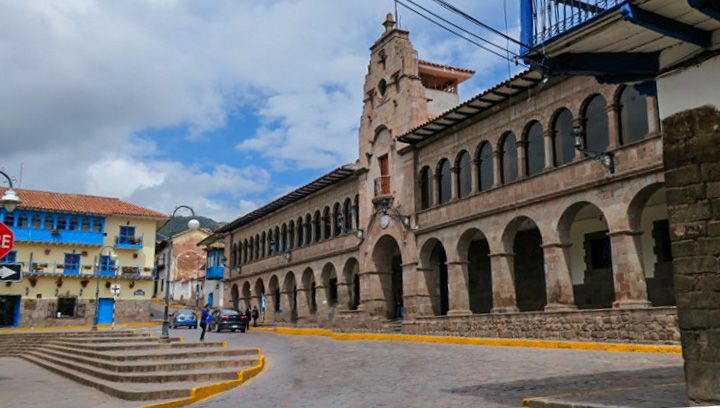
(205, 319)
(248, 317)
(255, 315)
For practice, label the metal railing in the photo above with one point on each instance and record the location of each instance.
(554, 17)
(382, 186)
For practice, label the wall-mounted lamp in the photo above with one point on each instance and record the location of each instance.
(607, 159)
(360, 234)
(287, 255)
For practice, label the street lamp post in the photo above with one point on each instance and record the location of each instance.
(10, 199)
(113, 257)
(193, 224)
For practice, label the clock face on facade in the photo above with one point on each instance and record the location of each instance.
(384, 221)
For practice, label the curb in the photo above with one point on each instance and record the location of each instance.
(207, 391)
(60, 328)
(478, 341)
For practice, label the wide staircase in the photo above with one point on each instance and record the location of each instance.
(130, 365)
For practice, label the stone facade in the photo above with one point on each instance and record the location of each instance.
(41, 313)
(693, 180)
(487, 227)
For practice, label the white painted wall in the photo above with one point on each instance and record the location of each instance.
(689, 88)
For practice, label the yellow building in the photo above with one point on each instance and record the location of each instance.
(69, 246)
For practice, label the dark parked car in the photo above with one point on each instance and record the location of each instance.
(182, 318)
(227, 319)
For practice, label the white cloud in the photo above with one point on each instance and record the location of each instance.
(83, 78)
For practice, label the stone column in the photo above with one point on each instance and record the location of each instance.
(653, 115)
(436, 189)
(522, 154)
(372, 297)
(497, 168)
(416, 294)
(343, 289)
(303, 310)
(323, 308)
(628, 275)
(474, 179)
(579, 122)
(458, 288)
(548, 144)
(558, 282)
(503, 283)
(613, 126)
(454, 183)
(285, 309)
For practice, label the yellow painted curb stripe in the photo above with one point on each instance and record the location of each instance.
(478, 341)
(207, 391)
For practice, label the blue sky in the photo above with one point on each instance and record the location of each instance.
(220, 107)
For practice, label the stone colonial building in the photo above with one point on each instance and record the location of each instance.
(475, 218)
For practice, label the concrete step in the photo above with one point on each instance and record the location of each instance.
(178, 363)
(155, 355)
(75, 333)
(126, 391)
(193, 376)
(134, 339)
(133, 345)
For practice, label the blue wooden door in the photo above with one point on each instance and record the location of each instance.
(211, 298)
(105, 311)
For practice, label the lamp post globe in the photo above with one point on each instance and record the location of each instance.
(193, 224)
(10, 199)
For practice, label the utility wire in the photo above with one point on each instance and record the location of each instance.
(458, 27)
(472, 19)
(457, 33)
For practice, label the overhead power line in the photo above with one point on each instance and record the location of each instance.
(472, 19)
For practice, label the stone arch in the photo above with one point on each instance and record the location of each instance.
(309, 286)
(235, 296)
(595, 122)
(246, 294)
(463, 178)
(444, 181)
(380, 131)
(275, 295)
(508, 158)
(387, 261)
(473, 249)
(329, 281)
(485, 166)
(351, 276)
(433, 261)
(291, 290)
(523, 240)
(534, 142)
(648, 219)
(426, 187)
(583, 233)
(260, 293)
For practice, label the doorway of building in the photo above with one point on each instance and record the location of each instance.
(106, 311)
(211, 299)
(388, 263)
(9, 310)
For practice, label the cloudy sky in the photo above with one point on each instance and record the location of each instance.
(219, 105)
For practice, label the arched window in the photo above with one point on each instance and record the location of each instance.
(426, 188)
(234, 254)
(270, 248)
(356, 211)
(308, 230)
(509, 158)
(300, 232)
(257, 246)
(444, 181)
(347, 211)
(595, 119)
(276, 240)
(246, 255)
(563, 143)
(633, 115)
(316, 226)
(262, 245)
(338, 220)
(251, 249)
(534, 149)
(464, 174)
(283, 238)
(291, 235)
(486, 178)
(327, 231)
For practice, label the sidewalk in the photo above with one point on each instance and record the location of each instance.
(670, 395)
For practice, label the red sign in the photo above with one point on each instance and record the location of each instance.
(7, 240)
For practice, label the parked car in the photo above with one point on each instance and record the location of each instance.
(182, 318)
(227, 319)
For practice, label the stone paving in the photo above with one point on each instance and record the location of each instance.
(308, 371)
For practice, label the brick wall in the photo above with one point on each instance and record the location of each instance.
(692, 160)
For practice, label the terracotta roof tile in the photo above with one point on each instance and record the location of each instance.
(80, 204)
(445, 66)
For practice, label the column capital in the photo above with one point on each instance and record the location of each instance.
(502, 255)
(414, 263)
(613, 108)
(454, 169)
(457, 263)
(556, 245)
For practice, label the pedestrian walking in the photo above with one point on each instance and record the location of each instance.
(205, 319)
(248, 316)
(255, 315)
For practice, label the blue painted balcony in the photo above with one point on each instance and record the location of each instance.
(58, 236)
(214, 273)
(128, 242)
(544, 20)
